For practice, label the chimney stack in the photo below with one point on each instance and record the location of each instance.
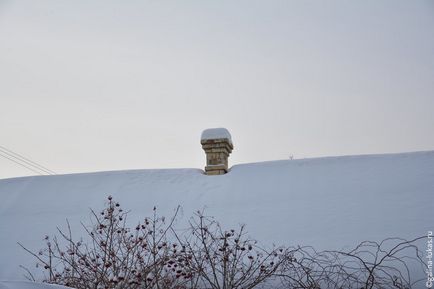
(217, 144)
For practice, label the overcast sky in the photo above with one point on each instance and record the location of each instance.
(109, 85)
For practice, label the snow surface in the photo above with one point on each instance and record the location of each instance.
(329, 203)
(216, 133)
(28, 285)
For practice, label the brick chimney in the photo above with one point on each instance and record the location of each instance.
(217, 144)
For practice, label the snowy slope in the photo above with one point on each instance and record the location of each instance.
(28, 285)
(325, 202)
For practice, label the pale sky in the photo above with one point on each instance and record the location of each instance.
(110, 85)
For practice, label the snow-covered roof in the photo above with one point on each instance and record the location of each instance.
(216, 133)
(325, 202)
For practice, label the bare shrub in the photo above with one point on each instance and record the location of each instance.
(153, 254)
(226, 258)
(387, 264)
(115, 257)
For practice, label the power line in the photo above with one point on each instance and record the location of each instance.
(25, 162)
(6, 157)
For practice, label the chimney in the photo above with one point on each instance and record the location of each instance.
(217, 144)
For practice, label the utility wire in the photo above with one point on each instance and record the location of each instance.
(26, 160)
(23, 161)
(11, 159)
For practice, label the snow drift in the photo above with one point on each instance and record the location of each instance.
(28, 285)
(330, 203)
